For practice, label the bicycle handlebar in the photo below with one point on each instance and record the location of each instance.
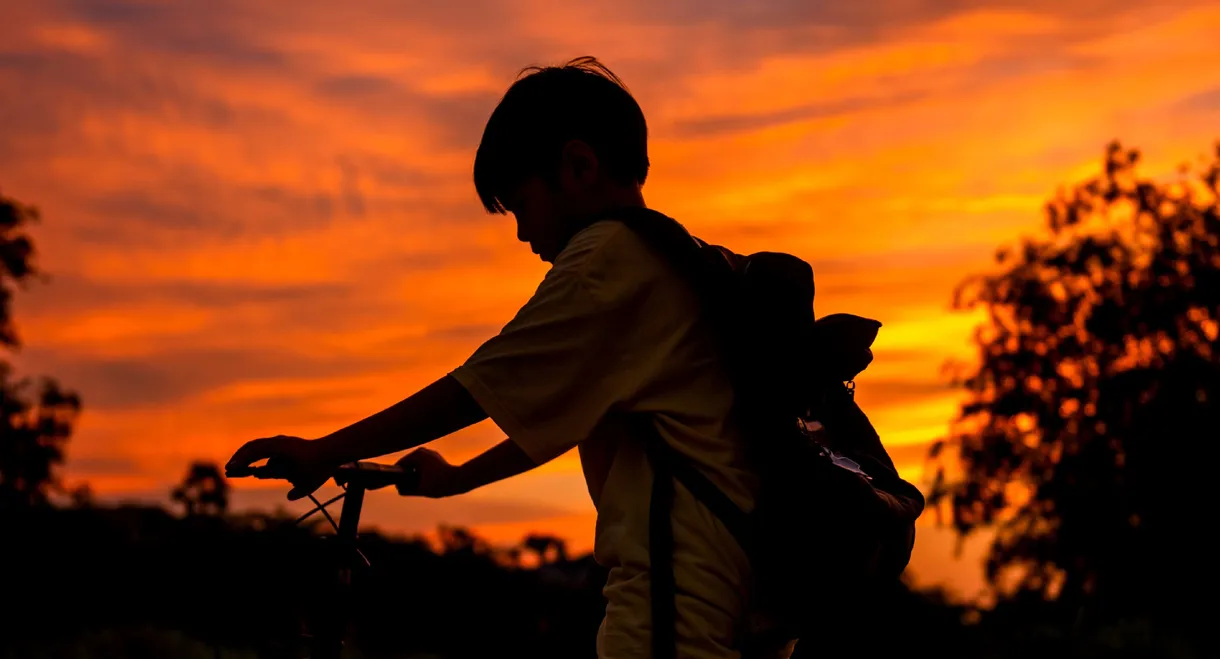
(376, 475)
(364, 474)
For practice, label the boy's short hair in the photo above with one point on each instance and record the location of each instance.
(580, 100)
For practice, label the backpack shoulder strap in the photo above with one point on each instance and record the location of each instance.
(704, 266)
(667, 465)
(663, 591)
(736, 520)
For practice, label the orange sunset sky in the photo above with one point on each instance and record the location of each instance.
(259, 216)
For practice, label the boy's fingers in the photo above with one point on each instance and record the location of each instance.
(411, 458)
(255, 450)
(409, 483)
(251, 451)
(304, 489)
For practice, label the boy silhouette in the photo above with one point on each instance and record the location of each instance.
(611, 330)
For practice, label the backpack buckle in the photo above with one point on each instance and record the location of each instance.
(844, 462)
(812, 430)
(850, 386)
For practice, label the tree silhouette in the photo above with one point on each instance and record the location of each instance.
(459, 541)
(1090, 428)
(547, 549)
(81, 496)
(36, 417)
(203, 491)
(16, 261)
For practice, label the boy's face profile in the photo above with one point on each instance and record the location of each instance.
(545, 210)
(534, 208)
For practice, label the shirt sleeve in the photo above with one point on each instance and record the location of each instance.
(566, 359)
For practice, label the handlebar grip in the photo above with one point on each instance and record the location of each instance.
(375, 475)
(268, 471)
(408, 483)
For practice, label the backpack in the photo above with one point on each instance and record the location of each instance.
(834, 523)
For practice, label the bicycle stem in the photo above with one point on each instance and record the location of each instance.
(329, 643)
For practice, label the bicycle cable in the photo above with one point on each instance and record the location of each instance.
(321, 508)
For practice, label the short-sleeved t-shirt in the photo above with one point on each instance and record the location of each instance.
(612, 329)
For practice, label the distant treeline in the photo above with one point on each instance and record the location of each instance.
(133, 581)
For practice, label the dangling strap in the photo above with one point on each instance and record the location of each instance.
(661, 557)
(667, 465)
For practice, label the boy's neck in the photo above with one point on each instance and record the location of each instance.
(619, 196)
(628, 196)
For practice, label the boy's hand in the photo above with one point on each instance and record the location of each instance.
(300, 460)
(435, 477)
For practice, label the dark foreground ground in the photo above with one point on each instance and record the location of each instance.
(139, 582)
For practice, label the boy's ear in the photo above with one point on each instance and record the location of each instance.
(579, 162)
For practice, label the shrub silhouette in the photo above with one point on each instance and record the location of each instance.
(203, 491)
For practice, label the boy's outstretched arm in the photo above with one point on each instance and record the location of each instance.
(437, 478)
(439, 409)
